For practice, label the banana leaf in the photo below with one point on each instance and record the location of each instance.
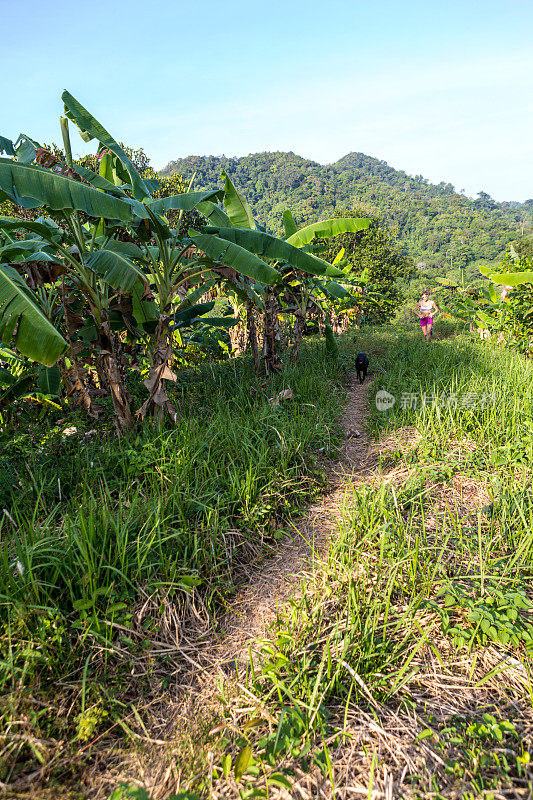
(219, 322)
(48, 380)
(22, 321)
(490, 321)
(195, 294)
(264, 244)
(146, 312)
(327, 229)
(214, 214)
(289, 223)
(334, 272)
(336, 291)
(7, 146)
(128, 249)
(115, 269)
(237, 208)
(98, 181)
(339, 257)
(26, 149)
(90, 129)
(31, 186)
(511, 278)
(185, 316)
(183, 202)
(233, 255)
(23, 248)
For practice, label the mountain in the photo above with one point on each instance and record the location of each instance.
(433, 224)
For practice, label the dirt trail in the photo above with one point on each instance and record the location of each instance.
(254, 608)
(386, 734)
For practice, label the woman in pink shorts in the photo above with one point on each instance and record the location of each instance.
(425, 309)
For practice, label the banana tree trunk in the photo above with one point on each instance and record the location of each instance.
(112, 372)
(237, 335)
(271, 335)
(74, 381)
(300, 327)
(158, 403)
(252, 335)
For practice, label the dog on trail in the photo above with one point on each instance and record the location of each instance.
(361, 365)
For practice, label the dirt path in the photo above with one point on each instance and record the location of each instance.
(254, 608)
(211, 658)
(384, 735)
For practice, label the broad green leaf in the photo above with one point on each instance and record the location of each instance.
(48, 379)
(214, 214)
(219, 322)
(242, 762)
(128, 249)
(115, 269)
(45, 228)
(493, 294)
(26, 149)
(183, 202)
(90, 129)
(289, 223)
(186, 315)
(233, 255)
(98, 181)
(335, 290)
(279, 779)
(226, 765)
(511, 278)
(334, 272)
(327, 229)
(197, 293)
(237, 208)
(22, 321)
(146, 312)
(7, 146)
(486, 319)
(264, 244)
(31, 186)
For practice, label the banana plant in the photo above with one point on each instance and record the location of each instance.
(93, 213)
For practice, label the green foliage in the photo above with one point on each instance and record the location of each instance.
(437, 227)
(170, 514)
(373, 252)
(495, 614)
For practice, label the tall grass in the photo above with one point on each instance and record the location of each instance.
(419, 581)
(159, 521)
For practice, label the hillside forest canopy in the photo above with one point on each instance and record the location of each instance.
(440, 229)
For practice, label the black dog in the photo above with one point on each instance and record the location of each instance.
(361, 364)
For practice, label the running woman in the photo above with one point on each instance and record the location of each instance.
(425, 309)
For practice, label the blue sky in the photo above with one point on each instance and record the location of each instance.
(434, 88)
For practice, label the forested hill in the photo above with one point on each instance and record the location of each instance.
(433, 223)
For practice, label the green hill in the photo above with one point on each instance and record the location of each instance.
(440, 229)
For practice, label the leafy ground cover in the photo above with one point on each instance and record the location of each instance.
(110, 549)
(402, 666)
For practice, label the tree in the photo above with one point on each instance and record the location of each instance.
(374, 252)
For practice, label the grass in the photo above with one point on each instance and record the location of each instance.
(99, 569)
(402, 666)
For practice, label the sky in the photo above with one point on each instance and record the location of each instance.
(439, 89)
